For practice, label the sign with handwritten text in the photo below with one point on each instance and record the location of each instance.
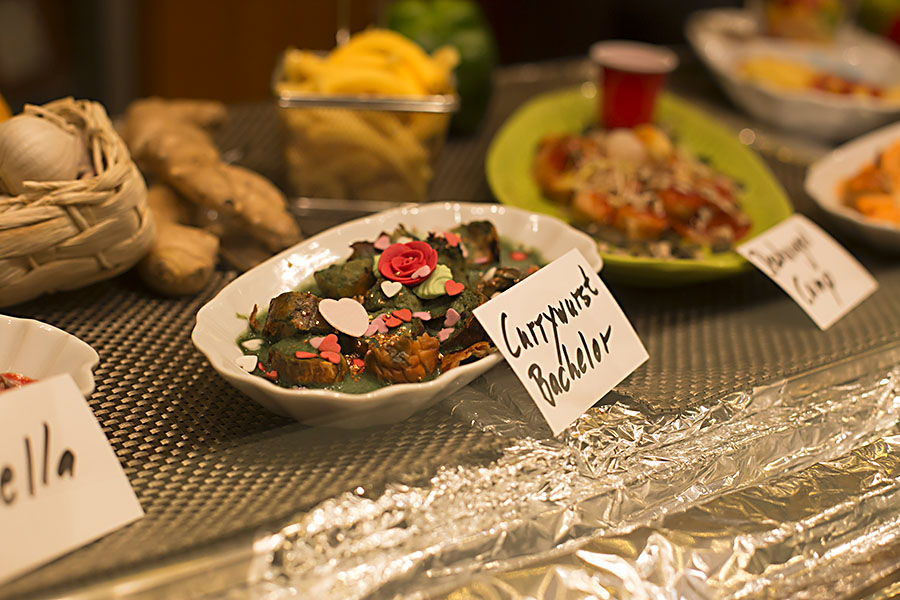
(61, 485)
(564, 336)
(807, 263)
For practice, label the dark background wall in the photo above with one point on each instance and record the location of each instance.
(115, 50)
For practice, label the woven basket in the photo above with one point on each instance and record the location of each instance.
(61, 235)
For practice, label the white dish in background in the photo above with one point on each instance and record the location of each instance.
(723, 38)
(218, 324)
(39, 351)
(826, 174)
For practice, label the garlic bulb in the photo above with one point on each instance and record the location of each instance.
(35, 149)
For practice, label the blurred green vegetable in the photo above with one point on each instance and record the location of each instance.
(460, 23)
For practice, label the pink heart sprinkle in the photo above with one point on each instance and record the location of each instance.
(425, 316)
(481, 260)
(332, 357)
(443, 334)
(404, 314)
(423, 271)
(453, 287)
(451, 318)
(376, 326)
(302, 354)
(382, 242)
(316, 342)
(330, 344)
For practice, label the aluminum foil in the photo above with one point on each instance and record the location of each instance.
(788, 489)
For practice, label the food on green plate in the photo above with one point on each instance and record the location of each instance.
(875, 190)
(639, 193)
(398, 310)
(796, 75)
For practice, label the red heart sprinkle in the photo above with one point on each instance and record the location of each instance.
(404, 314)
(302, 354)
(330, 344)
(333, 357)
(452, 239)
(392, 321)
(359, 363)
(518, 256)
(453, 288)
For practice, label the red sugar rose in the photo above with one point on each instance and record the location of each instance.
(400, 262)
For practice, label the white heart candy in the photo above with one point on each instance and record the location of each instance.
(247, 362)
(253, 345)
(391, 288)
(346, 315)
(423, 271)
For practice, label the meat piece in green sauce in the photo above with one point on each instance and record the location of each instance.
(346, 280)
(313, 372)
(481, 240)
(293, 314)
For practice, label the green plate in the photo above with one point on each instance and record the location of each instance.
(511, 153)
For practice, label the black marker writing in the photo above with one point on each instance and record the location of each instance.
(560, 378)
(65, 465)
(777, 257)
(534, 332)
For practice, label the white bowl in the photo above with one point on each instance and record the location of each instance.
(38, 351)
(825, 175)
(724, 38)
(218, 324)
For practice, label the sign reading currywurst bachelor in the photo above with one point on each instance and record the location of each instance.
(565, 337)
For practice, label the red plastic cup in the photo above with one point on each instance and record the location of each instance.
(630, 76)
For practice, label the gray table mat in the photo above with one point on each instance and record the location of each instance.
(208, 464)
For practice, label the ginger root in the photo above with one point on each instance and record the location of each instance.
(182, 258)
(168, 139)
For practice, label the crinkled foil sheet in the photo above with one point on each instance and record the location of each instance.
(788, 490)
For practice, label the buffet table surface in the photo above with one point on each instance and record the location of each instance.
(223, 481)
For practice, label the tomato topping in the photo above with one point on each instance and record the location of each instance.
(13, 380)
(640, 224)
(679, 205)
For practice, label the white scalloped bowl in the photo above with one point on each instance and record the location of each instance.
(826, 174)
(219, 324)
(725, 37)
(39, 351)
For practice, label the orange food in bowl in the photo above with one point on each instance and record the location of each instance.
(881, 207)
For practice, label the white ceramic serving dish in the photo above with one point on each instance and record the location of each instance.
(826, 174)
(219, 324)
(723, 38)
(39, 351)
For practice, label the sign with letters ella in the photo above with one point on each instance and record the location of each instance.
(564, 336)
(61, 485)
(807, 263)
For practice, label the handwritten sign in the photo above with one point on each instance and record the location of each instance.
(564, 336)
(807, 263)
(61, 485)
